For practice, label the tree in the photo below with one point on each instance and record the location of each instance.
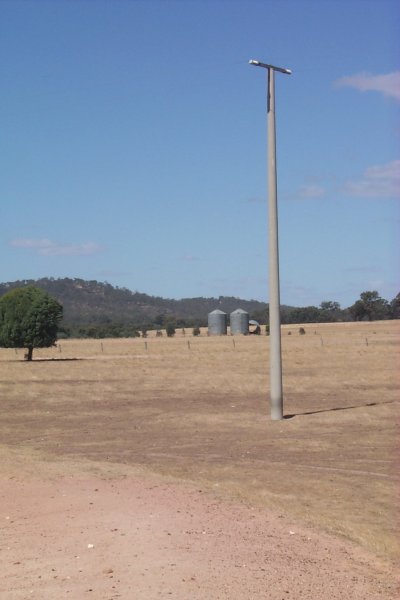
(29, 318)
(305, 314)
(170, 329)
(329, 311)
(395, 307)
(370, 307)
(159, 320)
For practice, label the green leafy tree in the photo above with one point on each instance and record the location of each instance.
(29, 318)
(170, 329)
(370, 307)
(395, 307)
(304, 314)
(330, 311)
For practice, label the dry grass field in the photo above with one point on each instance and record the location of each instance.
(196, 409)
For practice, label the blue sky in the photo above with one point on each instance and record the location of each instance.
(133, 145)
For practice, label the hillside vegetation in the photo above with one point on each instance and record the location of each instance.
(92, 307)
(96, 309)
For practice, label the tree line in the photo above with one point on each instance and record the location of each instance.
(31, 318)
(369, 307)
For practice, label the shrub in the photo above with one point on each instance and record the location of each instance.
(170, 329)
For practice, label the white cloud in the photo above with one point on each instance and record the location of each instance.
(388, 84)
(189, 258)
(312, 191)
(47, 247)
(381, 181)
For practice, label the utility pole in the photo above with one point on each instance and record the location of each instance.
(276, 393)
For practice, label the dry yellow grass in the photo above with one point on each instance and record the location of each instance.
(197, 409)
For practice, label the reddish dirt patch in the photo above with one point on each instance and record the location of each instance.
(135, 537)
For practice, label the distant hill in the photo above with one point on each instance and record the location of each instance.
(95, 304)
(95, 309)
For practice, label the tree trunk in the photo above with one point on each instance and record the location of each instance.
(28, 354)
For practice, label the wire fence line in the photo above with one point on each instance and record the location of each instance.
(132, 346)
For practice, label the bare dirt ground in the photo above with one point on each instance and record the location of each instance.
(143, 469)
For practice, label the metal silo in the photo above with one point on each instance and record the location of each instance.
(217, 322)
(239, 322)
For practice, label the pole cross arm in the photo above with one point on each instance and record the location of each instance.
(257, 63)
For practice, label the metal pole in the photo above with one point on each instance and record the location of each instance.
(276, 394)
